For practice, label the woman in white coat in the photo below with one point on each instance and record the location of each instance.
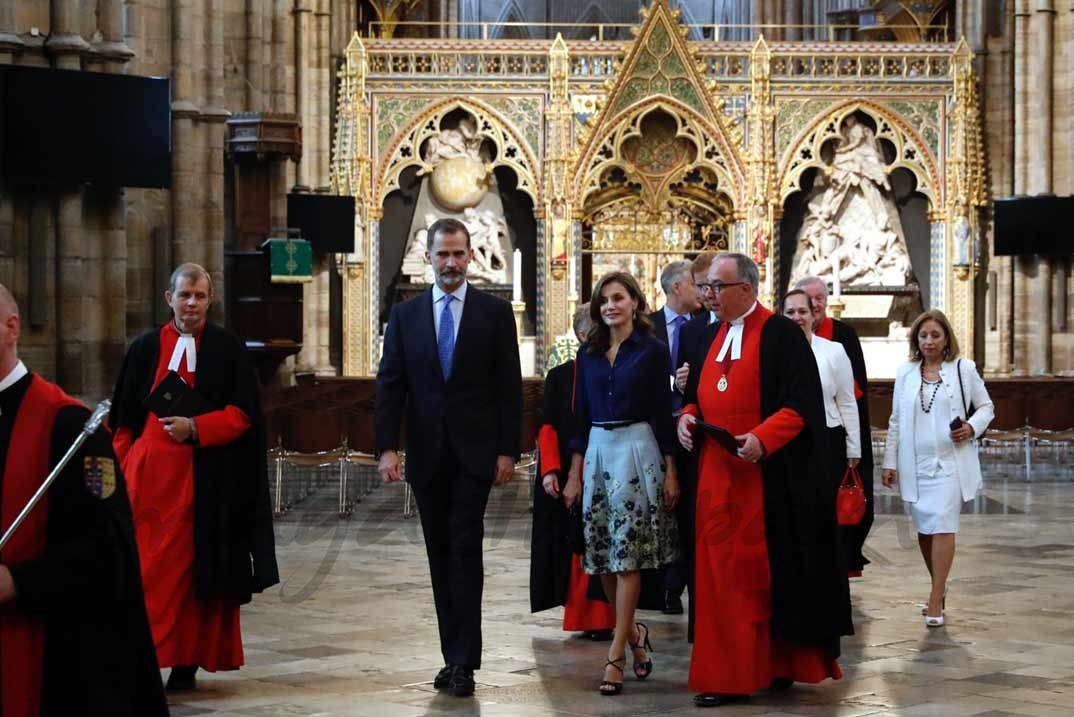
(837, 387)
(931, 444)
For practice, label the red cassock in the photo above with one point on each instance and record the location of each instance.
(734, 651)
(160, 479)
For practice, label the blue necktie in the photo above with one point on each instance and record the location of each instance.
(676, 329)
(445, 337)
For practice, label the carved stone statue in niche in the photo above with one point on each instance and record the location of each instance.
(488, 234)
(452, 142)
(458, 182)
(852, 224)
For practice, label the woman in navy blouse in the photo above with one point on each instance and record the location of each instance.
(627, 484)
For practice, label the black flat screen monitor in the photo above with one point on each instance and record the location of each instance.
(67, 128)
(326, 221)
(1042, 225)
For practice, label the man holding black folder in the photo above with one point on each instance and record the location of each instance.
(190, 438)
(770, 586)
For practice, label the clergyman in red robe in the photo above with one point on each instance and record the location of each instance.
(198, 484)
(771, 586)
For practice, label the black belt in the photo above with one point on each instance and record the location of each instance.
(612, 425)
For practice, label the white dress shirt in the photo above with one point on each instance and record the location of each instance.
(456, 306)
(837, 385)
(13, 376)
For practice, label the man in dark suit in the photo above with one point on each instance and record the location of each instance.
(451, 364)
(691, 340)
(677, 281)
(853, 536)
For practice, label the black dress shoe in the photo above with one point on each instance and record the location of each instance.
(443, 678)
(181, 678)
(600, 635)
(781, 684)
(462, 682)
(718, 699)
(672, 604)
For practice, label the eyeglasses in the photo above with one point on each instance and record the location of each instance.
(718, 286)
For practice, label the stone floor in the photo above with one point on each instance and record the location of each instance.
(352, 631)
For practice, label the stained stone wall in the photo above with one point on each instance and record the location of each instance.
(90, 267)
(1026, 57)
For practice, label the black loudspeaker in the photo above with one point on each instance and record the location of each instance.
(64, 128)
(326, 221)
(1041, 225)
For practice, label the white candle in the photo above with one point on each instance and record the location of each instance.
(572, 284)
(516, 294)
(836, 288)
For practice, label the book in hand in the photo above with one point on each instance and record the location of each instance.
(721, 435)
(174, 397)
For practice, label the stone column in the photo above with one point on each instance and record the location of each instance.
(66, 46)
(256, 56)
(325, 98)
(1020, 39)
(10, 45)
(1040, 81)
(112, 226)
(283, 100)
(303, 19)
(213, 117)
(185, 194)
(793, 15)
(10, 42)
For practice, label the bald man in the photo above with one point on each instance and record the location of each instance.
(74, 636)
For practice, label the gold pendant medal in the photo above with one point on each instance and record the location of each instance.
(721, 385)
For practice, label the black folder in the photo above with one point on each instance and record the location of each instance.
(174, 397)
(721, 435)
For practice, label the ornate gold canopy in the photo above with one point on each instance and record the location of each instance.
(660, 145)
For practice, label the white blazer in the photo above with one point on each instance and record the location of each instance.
(899, 452)
(837, 385)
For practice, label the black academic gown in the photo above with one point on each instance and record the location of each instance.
(854, 536)
(810, 593)
(554, 529)
(234, 543)
(99, 657)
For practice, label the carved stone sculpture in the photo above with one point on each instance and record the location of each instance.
(488, 234)
(852, 222)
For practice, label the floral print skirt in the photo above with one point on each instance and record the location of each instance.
(627, 526)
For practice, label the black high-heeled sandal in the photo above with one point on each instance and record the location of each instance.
(607, 687)
(642, 669)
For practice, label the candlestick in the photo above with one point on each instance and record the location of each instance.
(572, 285)
(516, 293)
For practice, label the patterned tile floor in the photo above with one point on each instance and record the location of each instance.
(352, 630)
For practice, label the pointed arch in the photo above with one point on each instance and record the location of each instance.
(603, 150)
(911, 150)
(512, 12)
(690, 22)
(661, 68)
(512, 150)
(593, 14)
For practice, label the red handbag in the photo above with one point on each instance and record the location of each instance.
(850, 501)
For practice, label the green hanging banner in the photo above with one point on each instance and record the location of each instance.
(290, 260)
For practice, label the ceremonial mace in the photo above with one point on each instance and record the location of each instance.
(90, 427)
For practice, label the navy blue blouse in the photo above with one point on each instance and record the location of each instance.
(635, 389)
